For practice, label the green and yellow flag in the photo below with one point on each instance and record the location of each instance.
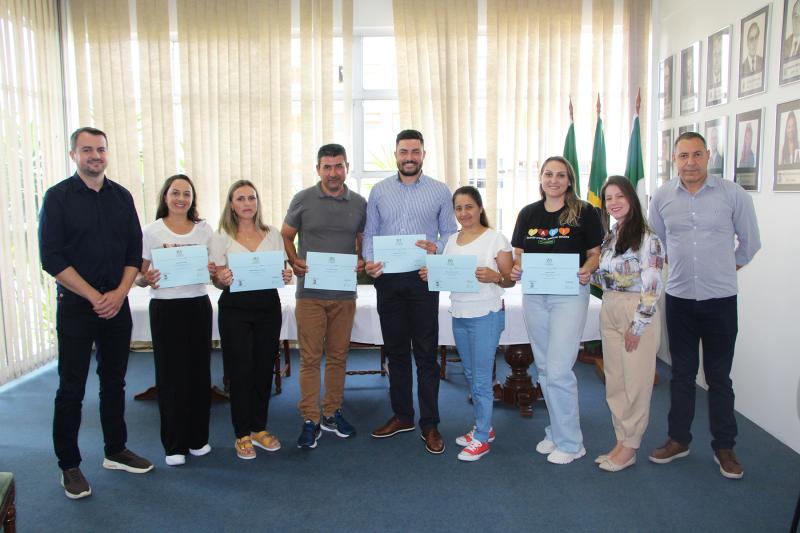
(571, 150)
(598, 173)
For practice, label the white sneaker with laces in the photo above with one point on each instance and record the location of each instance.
(558, 457)
(546, 446)
(474, 451)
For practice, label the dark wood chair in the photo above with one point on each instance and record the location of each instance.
(8, 510)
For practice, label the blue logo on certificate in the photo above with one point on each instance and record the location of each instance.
(550, 274)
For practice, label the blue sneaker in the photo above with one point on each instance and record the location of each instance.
(337, 424)
(309, 436)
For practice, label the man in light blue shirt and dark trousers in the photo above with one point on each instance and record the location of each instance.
(700, 218)
(409, 203)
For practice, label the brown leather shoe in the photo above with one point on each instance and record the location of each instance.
(433, 440)
(728, 464)
(392, 427)
(670, 451)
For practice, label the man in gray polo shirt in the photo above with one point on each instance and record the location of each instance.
(330, 218)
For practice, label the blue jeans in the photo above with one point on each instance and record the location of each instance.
(476, 340)
(714, 323)
(555, 325)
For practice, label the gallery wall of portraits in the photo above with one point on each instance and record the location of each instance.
(722, 81)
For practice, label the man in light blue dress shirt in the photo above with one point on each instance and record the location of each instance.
(700, 218)
(409, 203)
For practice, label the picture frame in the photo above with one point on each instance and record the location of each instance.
(747, 154)
(716, 133)
(690, 78)
(665, 157)
(787, 147)
(692, 126)
(753, 58)
(718, 62)
(666, 70)
(789, 70)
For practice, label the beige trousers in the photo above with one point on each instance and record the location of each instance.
(629, 375)
(323, 326)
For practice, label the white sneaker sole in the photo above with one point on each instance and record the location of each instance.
(546, 447)
(669, 459)
(75, 496)
(469, 458)
(200, 451)
(725, 473)
(175, 460)
(113, 465)
(311, 447)
(564, 458)
(338, 433)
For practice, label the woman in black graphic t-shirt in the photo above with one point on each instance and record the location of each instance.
(560, 223)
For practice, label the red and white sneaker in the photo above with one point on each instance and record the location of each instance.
(464, 440)
(474, 451)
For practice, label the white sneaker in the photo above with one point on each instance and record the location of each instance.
(200, 451)
(546, 446)
(175, 460)
(557, 457)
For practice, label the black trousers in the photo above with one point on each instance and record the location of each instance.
(714, 323)
(409, 315)
(181, 330)
(78, 327)
(250, 340)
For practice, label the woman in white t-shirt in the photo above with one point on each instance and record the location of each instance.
(180, 323)
(478, 318)
(249, 321)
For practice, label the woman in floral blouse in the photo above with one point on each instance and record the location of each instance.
(630, 273)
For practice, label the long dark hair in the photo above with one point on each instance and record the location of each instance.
(163, 210)
(476, 197)
(631, 231)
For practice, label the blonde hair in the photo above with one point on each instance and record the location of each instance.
(574, 204)
(229, 221)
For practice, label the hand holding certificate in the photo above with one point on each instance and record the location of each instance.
(333, 272)
(550, 274)
(256, 270)
(399, 253)
(181, 265)
(454, 273)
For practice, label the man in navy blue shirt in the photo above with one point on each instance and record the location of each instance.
(90, 240)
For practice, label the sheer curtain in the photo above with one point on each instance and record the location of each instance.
(437, 75)
(32, 150)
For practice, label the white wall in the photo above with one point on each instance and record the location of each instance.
(766, 369)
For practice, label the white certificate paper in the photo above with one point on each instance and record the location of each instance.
(181, 265)
(254, 271)
(332, 272)
(550, 274)
(454, 273)
(399, 253)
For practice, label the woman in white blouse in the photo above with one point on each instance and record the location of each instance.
(180, 322)
(478, 318)
(631, 260)
(249, 321)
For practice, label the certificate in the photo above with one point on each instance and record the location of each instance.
(253, 271)
(454, 273)
(181, 265)
(399, 253)
(550, 274)
(332, 272)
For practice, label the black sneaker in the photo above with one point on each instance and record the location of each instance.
(75, 485)
(309, 436)
(337, 424)
(128, 461)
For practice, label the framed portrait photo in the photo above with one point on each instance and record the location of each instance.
(787, 147)
(665, 70)
(716, 134)
(753, 53)
(665, 157)
(748, 149)
(692, 126)
(790, 43)
(718, 66)
(690, 78)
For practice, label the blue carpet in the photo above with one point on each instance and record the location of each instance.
(363, 484)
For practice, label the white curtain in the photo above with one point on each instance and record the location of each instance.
(32, 150)
(437, 77)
